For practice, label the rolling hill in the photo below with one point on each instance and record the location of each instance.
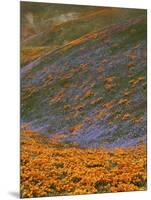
(83, 74)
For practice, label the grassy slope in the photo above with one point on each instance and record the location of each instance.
(94, 89)
(89, 92)
(43, 32)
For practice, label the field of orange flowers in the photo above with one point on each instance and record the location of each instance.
(50, 168)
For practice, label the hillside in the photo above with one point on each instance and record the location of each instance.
(83, 100)
(45, 27)
(86, 82)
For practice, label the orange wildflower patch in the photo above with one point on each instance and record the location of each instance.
(110, 104)
(50, 169)
(126, 116)
(134, 82)
(130, 65)
(76, 127)
(123, 101)
(109, 82)
(59, 96)
(89, 93)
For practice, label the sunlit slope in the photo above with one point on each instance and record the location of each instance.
(91, 90)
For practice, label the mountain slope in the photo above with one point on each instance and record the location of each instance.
(90, 90)
(45, 27)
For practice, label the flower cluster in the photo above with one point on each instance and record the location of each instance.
(49, 168)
